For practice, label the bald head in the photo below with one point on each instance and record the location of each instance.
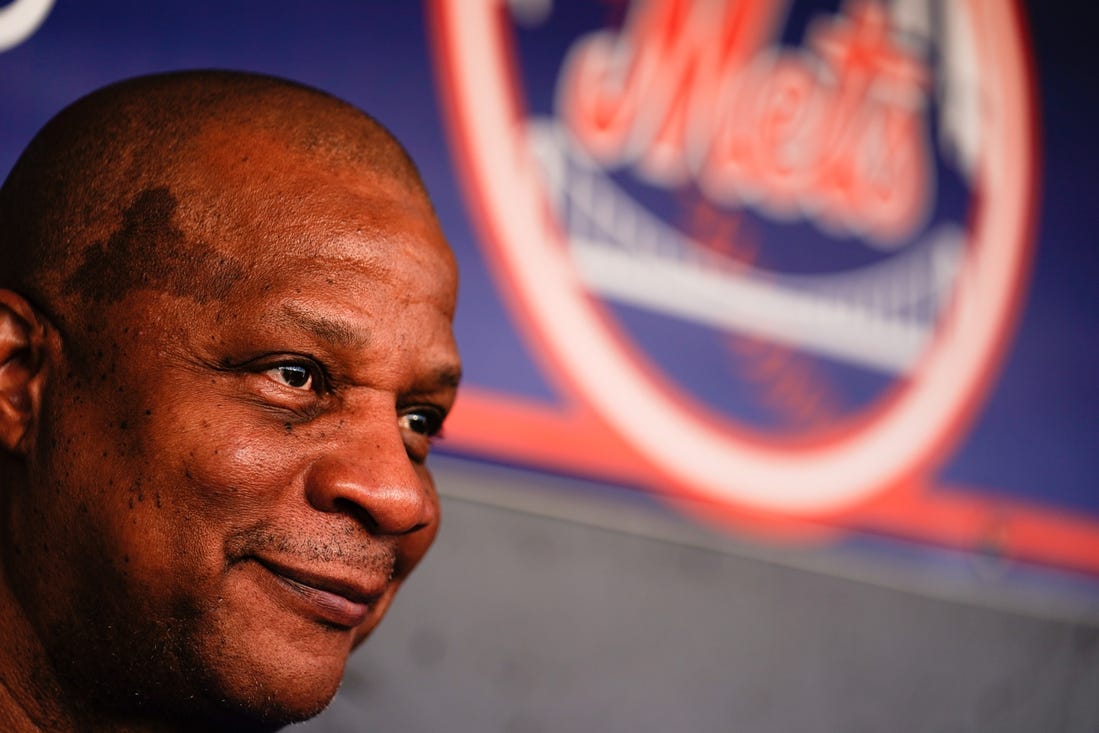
(92, 209)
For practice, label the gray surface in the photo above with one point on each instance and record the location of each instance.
(526, 623)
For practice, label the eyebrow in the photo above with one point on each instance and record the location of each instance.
(447, 376)
(352, 336)
(333, 330)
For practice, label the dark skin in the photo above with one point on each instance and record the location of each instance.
(214, 488)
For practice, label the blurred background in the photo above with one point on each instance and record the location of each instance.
(779, 329)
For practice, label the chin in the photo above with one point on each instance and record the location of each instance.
(261, 665)
(271, 716)
(271, 703)
(220, 699)
(266, 684)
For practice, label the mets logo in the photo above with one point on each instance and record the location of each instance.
(777, 247)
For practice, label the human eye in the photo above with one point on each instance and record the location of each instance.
(294, 375)
(425, 421)
(420, 426)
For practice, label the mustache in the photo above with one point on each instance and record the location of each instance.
(351, 547)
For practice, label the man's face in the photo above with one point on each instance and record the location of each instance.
(230, 490)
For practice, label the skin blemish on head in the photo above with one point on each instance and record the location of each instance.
(150, 252)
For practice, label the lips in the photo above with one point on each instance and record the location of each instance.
(331, 600)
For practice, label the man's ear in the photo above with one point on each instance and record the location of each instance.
(22, 348)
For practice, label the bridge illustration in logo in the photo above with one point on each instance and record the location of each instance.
(878, 317)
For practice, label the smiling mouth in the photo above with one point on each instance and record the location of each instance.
(332, 601)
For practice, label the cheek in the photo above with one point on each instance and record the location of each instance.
(225, 470)
(160, 496)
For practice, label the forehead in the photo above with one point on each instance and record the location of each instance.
(236, 204)
(292, 221)
(252, 193)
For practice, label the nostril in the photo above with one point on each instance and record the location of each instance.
(353, 509)
(386, 496)
(367, 519)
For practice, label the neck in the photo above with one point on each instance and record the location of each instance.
(30, 696)
(32, 700)
(14, 714)
(34, 696)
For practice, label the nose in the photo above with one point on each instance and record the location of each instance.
(373, 478)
